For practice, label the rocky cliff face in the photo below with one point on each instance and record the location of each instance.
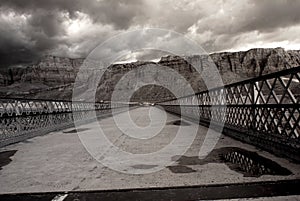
(50, 70)
(53, 77)
(256, 62)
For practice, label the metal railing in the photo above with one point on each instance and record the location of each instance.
(21, 119)
(263, 111)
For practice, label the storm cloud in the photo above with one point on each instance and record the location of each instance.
(72, 28)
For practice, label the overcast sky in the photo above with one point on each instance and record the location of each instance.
(74, 27)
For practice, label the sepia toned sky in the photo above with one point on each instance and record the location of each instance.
(72, 28)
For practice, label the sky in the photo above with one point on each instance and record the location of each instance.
(72, 28)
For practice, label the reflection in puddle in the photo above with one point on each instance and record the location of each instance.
(76, 130)
(5, 157)
(250, 164)
(178, 123)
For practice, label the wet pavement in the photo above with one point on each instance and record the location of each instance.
(248, 163)
(75, 130)
(178, 123)
(5, 157)
(58, 162)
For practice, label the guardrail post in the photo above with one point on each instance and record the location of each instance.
(253, 96)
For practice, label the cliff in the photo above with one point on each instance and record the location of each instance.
(53, 77)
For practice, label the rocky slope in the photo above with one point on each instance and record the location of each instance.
(53, 77)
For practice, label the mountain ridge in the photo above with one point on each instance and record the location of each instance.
(54, 76)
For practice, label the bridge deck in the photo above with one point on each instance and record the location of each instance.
(59, 162)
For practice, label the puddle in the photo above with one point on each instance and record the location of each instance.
(248, 163)
(76, 130)
(5, 157)
(251, 164)
(188, 160)
(180, 169)
(143, 166)
(178, 123)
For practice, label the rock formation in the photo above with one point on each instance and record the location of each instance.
(53, 77)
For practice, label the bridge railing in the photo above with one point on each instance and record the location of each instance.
(263, 111)
(22, 107)
(21, 119)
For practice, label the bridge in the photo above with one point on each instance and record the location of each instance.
(256, 123)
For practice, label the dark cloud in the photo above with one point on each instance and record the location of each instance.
(266, 15)
(48, 23)
(232, 23)
(44, 30)
(32, 28)
(120, 13)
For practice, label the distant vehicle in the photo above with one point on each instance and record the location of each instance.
(147, 104)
